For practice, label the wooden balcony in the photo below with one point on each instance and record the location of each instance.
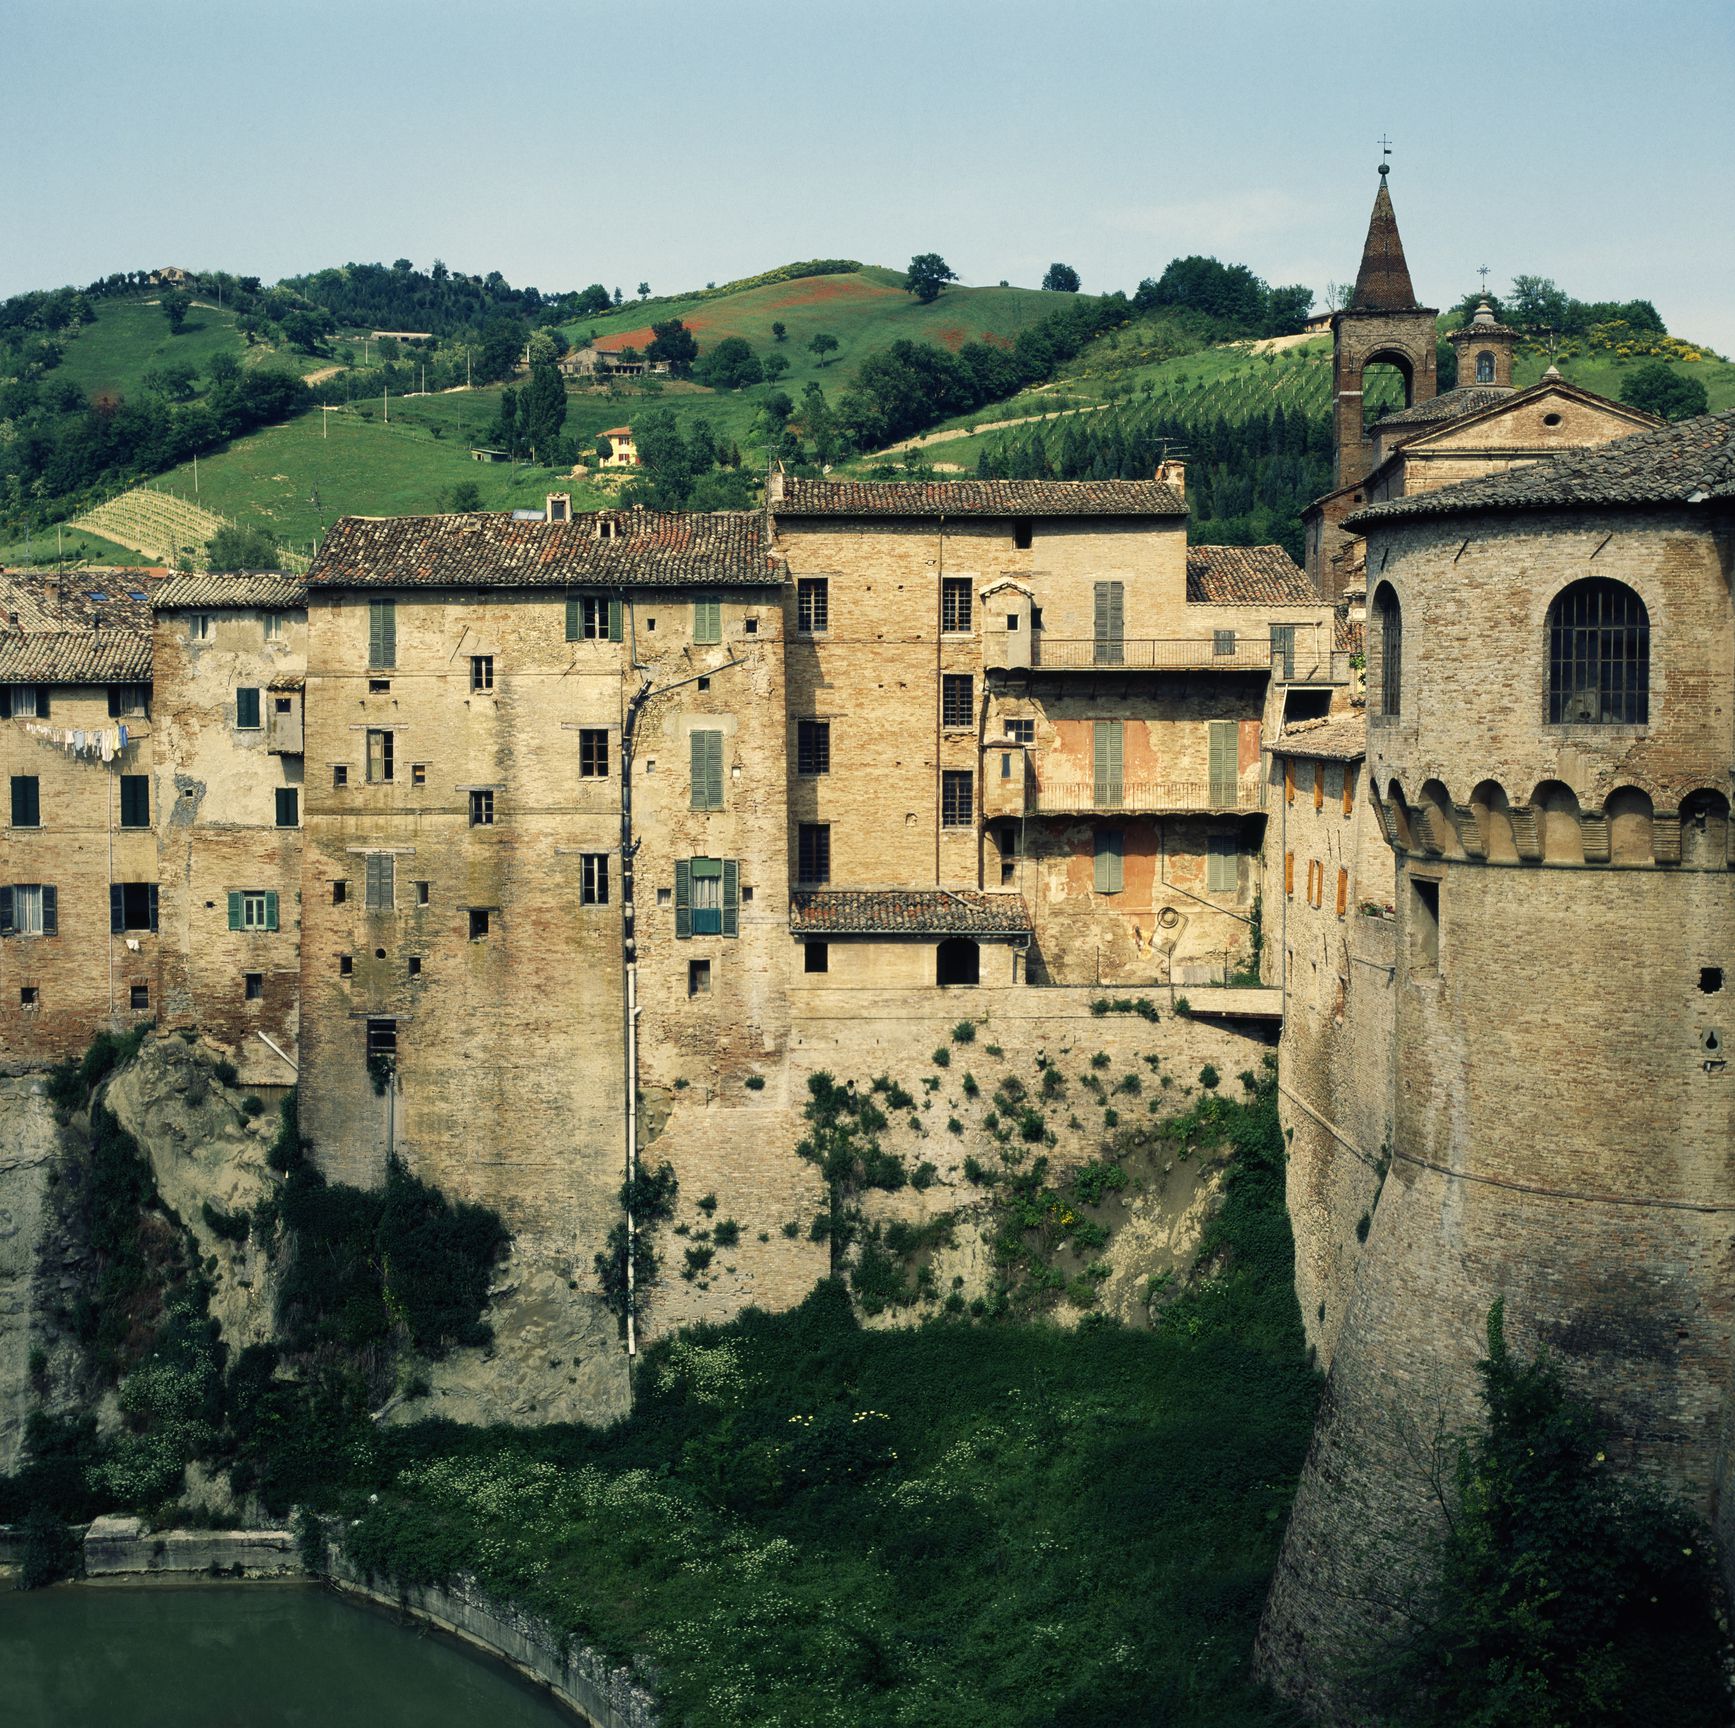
(1147, 797)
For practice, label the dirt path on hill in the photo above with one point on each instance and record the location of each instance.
(322, 374)
(952, 432)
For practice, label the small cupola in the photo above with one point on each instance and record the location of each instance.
(1485, 348)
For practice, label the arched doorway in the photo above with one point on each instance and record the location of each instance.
(958, 961)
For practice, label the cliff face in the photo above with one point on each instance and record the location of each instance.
(30, 1146)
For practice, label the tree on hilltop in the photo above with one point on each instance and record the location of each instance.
(1658, 389)
(822, 344)
(927, 275)
(1061, 279)
(176, 306)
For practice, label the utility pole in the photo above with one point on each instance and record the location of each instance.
(386, 398)
(195, 476)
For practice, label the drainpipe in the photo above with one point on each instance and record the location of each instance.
(939, 687)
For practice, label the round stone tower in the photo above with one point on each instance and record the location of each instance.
(1485, 348)
(1551, 662)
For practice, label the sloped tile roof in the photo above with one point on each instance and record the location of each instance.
(978, 498)
(106, 656)
(77, 627)
(907, 912)
(1692, 462)
(1335, 738)
(1382, 284)
(219, 590)
(1449, 405)
(1348, 635)
(1245, 575)
(486, 549)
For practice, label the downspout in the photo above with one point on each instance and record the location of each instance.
(939, 690)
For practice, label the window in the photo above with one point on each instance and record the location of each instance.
(707, 897)
(707, 619)
(816, 957)
(1222, 864)
(1008, 855)
(253, 986)
(288, 807)
(1390, 618)
(382, 1040)
(707, 766)
(482, 672)
(26, 801)
(1485, 367)
(414, 966)
(1021, 731)
(1283, 650)
(1222, 642)
(1110, 609)
(252, 909)
(698, 977)
(955, 604)
(1599, 656)
(29, 909)
(273, 626)
(957, 699)
(593, 879)
(1319, 785)
(1022, 532)
(1222, 763)
(340, 774)
(418, 773)
(1424, 925)
(813, 854)
(29, 996)
(139, 997)
(379, 758)
(339, 892)
(132, 906)
(199, 627)
(422, 893)
(478, 923)
(1348, 788)
(1110, 852)
(813, 746)
(346, 965)
(1342, 892)
(750, 625)
(247, 709)
(125, 701)
(592, 618)
(381, 890)
(1107, 744)
(382, 634)
(812, 605)
(379, 686)
(957, 798)
(593, 753)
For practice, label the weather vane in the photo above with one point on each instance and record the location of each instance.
(1386, 147)
(1482, 271)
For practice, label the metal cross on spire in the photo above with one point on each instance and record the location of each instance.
(1482, 271)
(1386, 149)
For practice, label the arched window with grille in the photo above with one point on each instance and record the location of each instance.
(1390, 618)
(1485, 367)
(1599, 656)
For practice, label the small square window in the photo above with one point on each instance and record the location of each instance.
(340, 774)
(698, 977)
(415, 966)
(140, 997)
(421, 893)
(28, 996)
(199, 627)
(418, 773)
(746, 896)
(478, 923)
(1022, 534)
(379, 686)
(663, 895)
(1021, 731)
(482, 672)
(817, 957)
(482, 808)
(339, 892)
(704, 683)
(254, 986)
(346, 965)
(750, 626)
(273, 626)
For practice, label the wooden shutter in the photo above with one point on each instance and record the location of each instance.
(707, 770)
(382, 641)
(574, 619)
(1224, 761)
(1288, 781)
(1319, 785)
(615, 626)
(271, 909)
(41, 701)
(50, 910)
(1221, 871)
(707, 619)
(117, 917)
(1108, 743)
(1342, 892)
(1289, 873)
(683, 898)
(1110, 599)
(235, 909)
(5, 701)
(6, 912)
(731, 896)
(114, 701)
(1348, 787)
(1109, 852)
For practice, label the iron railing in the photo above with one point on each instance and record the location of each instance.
(1145, 797)
(1144, 653)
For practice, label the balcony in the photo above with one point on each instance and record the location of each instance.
(1147, 797)
(1306, 659)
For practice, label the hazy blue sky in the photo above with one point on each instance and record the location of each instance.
(686, 140)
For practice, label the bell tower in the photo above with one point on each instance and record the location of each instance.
(1382, 323)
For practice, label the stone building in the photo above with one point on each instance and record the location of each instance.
(1549, 706)
(79, 880)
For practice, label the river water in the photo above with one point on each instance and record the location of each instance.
(240, 1656)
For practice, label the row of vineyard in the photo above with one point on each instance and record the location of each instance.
(163, 526)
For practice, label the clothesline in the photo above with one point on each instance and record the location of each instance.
(107, 742)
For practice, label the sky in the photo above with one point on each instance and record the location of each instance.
(685, 141)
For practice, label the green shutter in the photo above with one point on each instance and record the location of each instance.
(1221, 870)
(271, 910)
(1108, 740)
(683, 899)
(234, 909)
(117, 919)
(615, 631)
(1224, 761)
(707, 770)
(153, 908)
(382, 639)
(707, 619)
(574, 619)
(1108, 861)
(6, 911)
(1110, 622)
(50, 910)
(731, 896)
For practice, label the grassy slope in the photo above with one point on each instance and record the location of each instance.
(1007, 1525)
(78, 543)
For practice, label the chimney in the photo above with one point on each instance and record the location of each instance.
(774, 484)
(1172, 471)
(559, 507)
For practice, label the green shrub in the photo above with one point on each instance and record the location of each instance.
(953, 1125)
(252, 1105)
(943, 1057)
(1090, 1182)
(1100, 1059)
(726, 1234)
(227, 1073)
(971, 1089)
(1209, 1077)
(926, 1175)
(755, 1082)
(964, 1032)
(976, 1173)
(698, 1261)
(231, 1227)
(51, 1551)
(1363, 1225)
(993, 1050)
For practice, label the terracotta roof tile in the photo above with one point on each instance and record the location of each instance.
(977, 498)
(79, 627)
(1449, 405)
(906, 912)
(217, 590)
(642, 548)
(1692, 462)
(106, 656)
(1335, 738)
(1245, 575)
